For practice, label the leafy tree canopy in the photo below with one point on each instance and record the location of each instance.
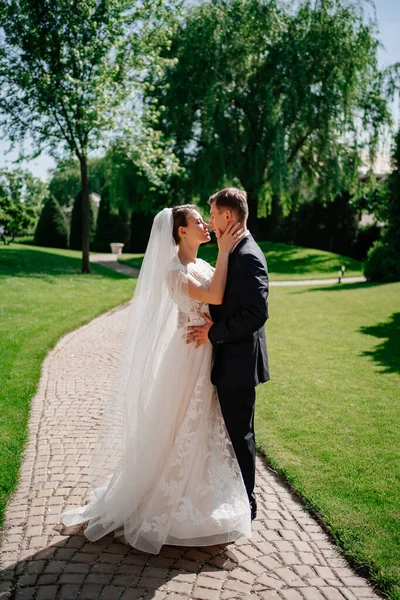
(68, 70)
(272, 98)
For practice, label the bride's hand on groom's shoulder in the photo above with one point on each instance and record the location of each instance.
(231, 236)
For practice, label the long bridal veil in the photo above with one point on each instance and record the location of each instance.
(133, 418)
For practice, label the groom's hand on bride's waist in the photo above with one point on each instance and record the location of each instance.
(199, 333)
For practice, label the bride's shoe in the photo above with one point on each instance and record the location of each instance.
(70, 529)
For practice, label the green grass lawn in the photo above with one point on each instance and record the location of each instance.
(329, 419)
(284, 261)
(42, 296)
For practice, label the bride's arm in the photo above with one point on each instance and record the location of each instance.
(215, 292)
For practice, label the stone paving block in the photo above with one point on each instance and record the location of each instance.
(26, 580)
(289, 576)
(99, 578)
(131, 570)
(180, 587)
(189, 565)
(269, 595)
(348, 594)
(25, 593)
(90, 591)
(267, 581)
(312, 593)
(68, 592)
(73, 578)
(209, 582)
(353, 581)
(253, 566)
(331, 593)
(154, 572)
(125, 580)
(309, 558)
(111, 593)
(201, 593)
(242, 575)
(362, 592)
(132, 594)
(291, 594)
(237, 586)
(289, 558)
(269, 562)
(213, 572)
(324, 572)
(48, 592)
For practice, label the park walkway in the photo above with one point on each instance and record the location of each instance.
(111, 262)
(289, 556)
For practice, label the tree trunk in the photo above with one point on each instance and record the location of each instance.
(252, 221)
(85, 215)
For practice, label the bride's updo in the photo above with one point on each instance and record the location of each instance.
(180, 214)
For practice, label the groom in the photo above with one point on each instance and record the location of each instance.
(236, 331)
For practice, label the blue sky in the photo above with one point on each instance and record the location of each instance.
(388, 12)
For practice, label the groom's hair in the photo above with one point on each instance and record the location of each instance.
(234, 199)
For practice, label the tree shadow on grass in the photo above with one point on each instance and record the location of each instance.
(284, 263)
(27, 262)
(387, 353)
(284, 259)
(339, 287)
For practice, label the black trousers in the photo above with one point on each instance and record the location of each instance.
(237, 407)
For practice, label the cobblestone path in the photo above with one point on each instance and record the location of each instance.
(288, 558)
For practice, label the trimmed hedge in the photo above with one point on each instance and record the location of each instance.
(52, 229)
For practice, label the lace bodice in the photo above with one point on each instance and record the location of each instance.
(190, 310)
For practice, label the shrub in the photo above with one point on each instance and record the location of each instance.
(366, 236)
(110, 226)
(141, 225)
(383, 264)
(52, 229)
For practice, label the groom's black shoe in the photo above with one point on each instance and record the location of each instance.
(253, 506)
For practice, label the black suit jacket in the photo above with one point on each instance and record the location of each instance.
(238, 334)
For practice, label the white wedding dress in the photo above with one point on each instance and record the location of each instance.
(189, 489)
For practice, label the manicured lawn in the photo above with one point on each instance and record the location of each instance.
(284, 261)
(43, 295)
(329, 419)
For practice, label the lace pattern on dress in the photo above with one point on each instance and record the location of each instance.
(190, 310)
(222, 473)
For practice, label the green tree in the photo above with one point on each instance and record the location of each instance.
(21, 186)
(383, 263)
(15, 218)
(273, 99)
(52, 229)
(66, 69)
(65, 180)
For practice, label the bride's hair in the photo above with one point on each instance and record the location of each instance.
(180, 215)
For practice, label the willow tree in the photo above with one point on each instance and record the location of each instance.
(272, 98)
(66, 68)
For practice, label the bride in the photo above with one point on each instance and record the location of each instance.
(165, 466)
